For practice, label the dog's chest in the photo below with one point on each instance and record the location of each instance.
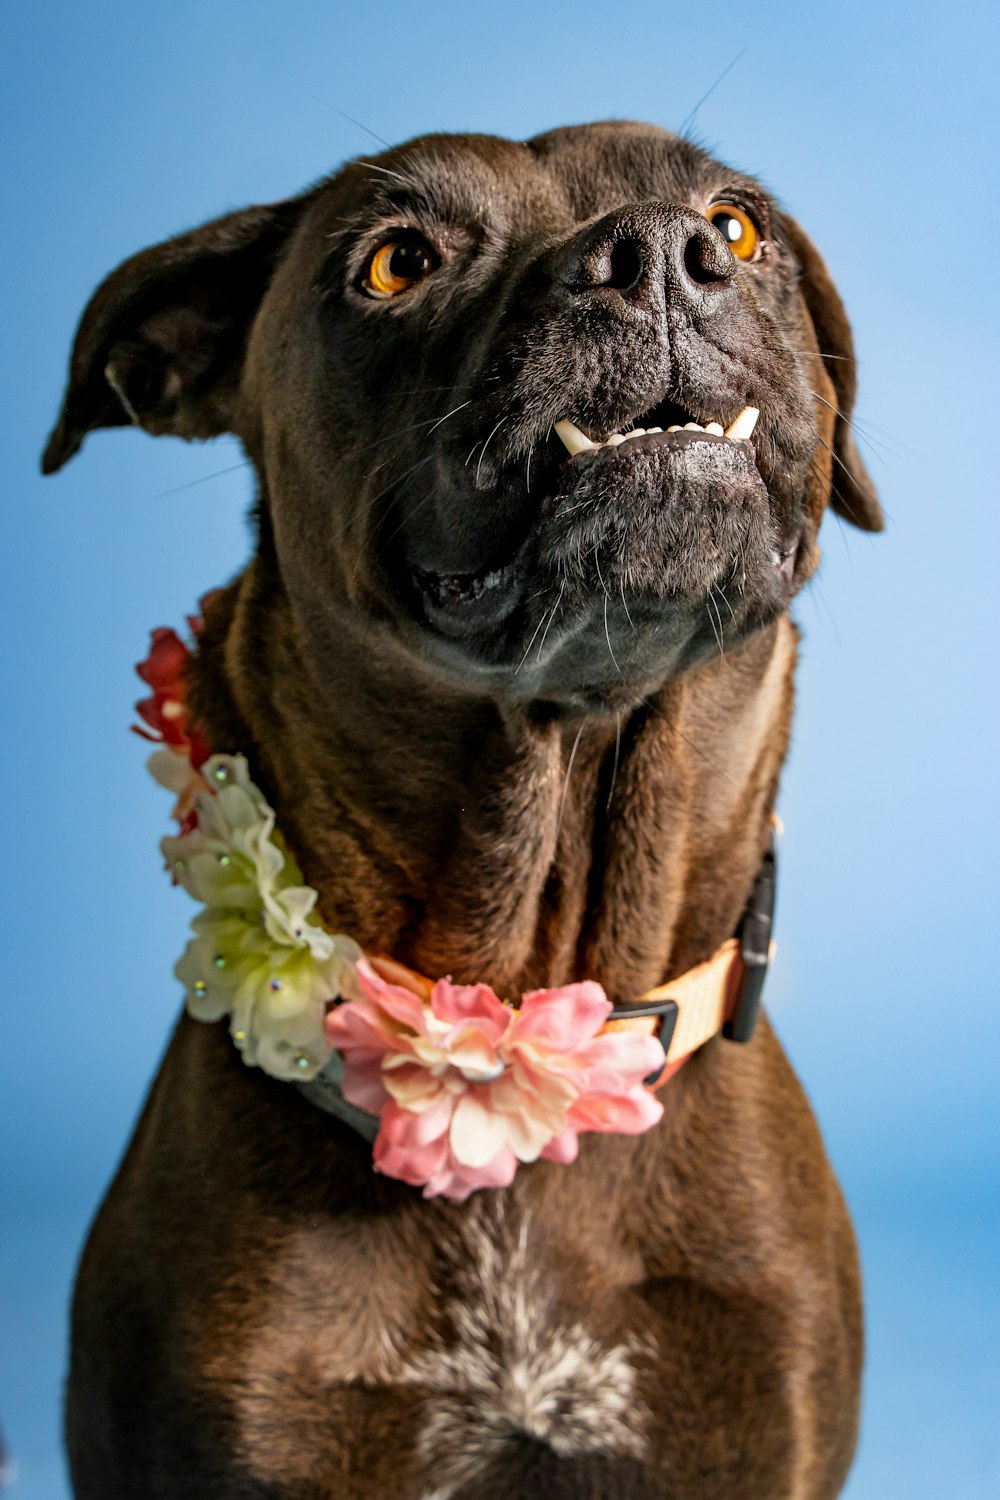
(458, 1352)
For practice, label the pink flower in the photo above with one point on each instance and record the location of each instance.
(467, 1087)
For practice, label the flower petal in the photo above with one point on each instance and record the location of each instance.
(477, 1133)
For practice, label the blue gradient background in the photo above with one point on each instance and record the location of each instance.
(124, 123)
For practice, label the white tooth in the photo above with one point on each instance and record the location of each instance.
(693, 427)
(741, 429)
(614, 440)
(675, 428)
(654, 429)
(715, 428)
(636, 432)
(572, 438)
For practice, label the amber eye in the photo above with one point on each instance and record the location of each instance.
(737, 229)
(397, 265)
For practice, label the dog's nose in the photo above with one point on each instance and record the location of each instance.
(648, 254)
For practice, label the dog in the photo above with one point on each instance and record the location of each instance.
(512, 661)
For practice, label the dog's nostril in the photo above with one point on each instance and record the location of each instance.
(707, 259)
(626, 264)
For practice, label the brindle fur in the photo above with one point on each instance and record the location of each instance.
(257, 1312)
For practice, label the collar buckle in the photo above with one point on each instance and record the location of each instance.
(666, 1010)
(754, 934)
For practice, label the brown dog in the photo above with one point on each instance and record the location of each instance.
(522, 716)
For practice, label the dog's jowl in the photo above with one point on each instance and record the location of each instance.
(544, 433)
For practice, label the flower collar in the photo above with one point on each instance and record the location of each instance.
(454, 1086)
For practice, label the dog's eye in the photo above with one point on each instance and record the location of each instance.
(397, 265)
(737, 229)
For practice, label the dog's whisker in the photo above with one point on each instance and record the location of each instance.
(607, 637)
(692, 115)
(546, 614)
(363, 503)
(722, 595)
(203, 479)
(711, 620)
(838, 495)
(621, 586)
(814, 353)
(569, 772)
(552, 615)
(614, 768)
(375, 166)
(837, 460)
(815, 591)
(479, 466)
(607, 600)
(431, 423)
(345, 116)
(393, 483)
(541, 620)
(854, 425)
(455, 409)
(414, 510)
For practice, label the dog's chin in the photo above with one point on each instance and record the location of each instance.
(642, 559)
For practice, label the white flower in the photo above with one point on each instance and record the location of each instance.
(258, 954)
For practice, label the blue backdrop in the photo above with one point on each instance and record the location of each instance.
(124, 123)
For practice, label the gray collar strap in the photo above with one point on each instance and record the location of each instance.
(326, 1092)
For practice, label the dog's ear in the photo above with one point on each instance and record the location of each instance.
(853, 494)
(161, 343)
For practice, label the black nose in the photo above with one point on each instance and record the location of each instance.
(648, 254)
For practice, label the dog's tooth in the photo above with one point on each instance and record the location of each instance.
(654, 429)
(715, 428)
(693, 427)
(742, 428)
(572, 438)
(636, 432)
(614, 440)
(676, 428)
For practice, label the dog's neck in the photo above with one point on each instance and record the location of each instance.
(516, 849)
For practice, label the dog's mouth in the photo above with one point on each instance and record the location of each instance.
(459, 603)
(661, 421)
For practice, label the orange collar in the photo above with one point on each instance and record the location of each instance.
(721, 994)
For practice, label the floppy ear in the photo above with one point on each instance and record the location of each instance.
(853, 495)
(161, 343)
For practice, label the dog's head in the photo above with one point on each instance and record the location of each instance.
(435, 360)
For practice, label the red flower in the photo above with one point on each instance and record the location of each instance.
(166, 711)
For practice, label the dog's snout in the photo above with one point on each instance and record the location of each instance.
(647, 255)
(705, 258)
